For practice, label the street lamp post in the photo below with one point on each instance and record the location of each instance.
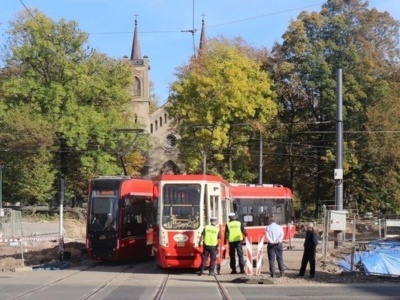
(204, 162)
(1, 188)
(260, 163)
(205, 147)
(260, 170)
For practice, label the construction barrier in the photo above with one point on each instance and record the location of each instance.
(15, 232)
(254, 261)
(249, 256)
(260, 250)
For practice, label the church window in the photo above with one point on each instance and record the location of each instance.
(137, 89)
(169, 142)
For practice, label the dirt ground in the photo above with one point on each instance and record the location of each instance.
(39, 253)
(29, 253)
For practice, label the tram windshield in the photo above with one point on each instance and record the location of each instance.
(181, 206)
(103, 212)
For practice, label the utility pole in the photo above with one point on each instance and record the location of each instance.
(1, 188)
(122, 152)
(1, 194)
(205, 145)
(338, 174)
(260, 175)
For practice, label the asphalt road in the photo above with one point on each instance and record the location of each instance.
(110, 284)
(143, 281)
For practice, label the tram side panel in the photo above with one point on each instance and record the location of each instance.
(256, 203)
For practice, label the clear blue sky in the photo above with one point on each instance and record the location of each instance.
(110, 24)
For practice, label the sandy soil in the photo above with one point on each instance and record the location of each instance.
(29, 254)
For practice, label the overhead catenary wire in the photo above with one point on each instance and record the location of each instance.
(169, 31)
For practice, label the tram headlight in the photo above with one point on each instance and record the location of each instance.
(164, 240)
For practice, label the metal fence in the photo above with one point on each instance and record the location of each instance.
(10, 224)
(15, 231)
(359, 235)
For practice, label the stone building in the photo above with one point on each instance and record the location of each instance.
(163, 153)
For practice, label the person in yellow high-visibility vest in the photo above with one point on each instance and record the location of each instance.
(234, 234)
(210, 238)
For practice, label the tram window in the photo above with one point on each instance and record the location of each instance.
(103, 213)
(134, 217)
(214, 207)
(101, 206)
(181, 206)
(235, 206)
(247, 209)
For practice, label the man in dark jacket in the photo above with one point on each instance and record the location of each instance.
(310, 249)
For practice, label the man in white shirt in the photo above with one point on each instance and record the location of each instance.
(274, 235)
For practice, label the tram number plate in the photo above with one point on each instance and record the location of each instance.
(180, 244)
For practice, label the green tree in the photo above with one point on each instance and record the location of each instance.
(216, 103)
(79, 94)
(364, 44)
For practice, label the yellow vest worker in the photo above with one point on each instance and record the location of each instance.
(234, 234)
(210, 236)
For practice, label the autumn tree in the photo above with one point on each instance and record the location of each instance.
(217, 102)
(364, 44)
(69, 100)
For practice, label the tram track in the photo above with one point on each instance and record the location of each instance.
(223, 292)
(161, 290)
(91, 294)
(104, 280)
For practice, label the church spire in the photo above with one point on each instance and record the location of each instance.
(203, 39)
(136, 54)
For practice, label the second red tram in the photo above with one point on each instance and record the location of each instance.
(254, 203)
(119, 218)
(184, 205)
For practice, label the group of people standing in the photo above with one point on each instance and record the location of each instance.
(234, 235)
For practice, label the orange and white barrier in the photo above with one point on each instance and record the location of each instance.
(259, 255)
(249, 257)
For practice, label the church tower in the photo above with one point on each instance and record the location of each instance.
(163, 138)
(140, 91)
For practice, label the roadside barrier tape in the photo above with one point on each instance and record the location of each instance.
(29, 238)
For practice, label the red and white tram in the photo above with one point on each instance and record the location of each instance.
(184, 205)
(119, 218)
(254, 203)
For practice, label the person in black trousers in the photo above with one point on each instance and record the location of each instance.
(210, 239)
(234, 233)
(310, 249)
(274, 235)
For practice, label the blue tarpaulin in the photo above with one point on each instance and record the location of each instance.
(381, 258)
(52, 266)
